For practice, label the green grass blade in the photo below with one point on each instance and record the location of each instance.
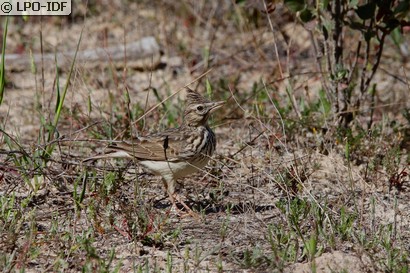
(58, 97)
(2, 67)
(60, 100)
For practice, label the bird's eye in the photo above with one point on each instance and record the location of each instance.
(199, 108)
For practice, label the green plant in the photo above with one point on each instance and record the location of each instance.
(2, 65)
(253, 258)
(344, 225)
(78, 195)
(283, 246)
(31, 164)
(345, 79)
(52, 127)
(169, 263)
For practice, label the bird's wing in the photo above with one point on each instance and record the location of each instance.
(171, 145)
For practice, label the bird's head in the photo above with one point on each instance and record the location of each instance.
(198, 109)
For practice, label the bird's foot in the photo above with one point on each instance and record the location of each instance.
(188, 211)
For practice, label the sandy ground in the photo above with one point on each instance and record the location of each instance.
(241, 188)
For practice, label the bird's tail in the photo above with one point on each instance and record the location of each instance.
(113, 151)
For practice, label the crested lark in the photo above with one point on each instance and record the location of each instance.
(176, 152)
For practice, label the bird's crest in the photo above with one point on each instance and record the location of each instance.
(193, 97)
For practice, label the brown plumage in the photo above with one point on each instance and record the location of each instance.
(176, 152)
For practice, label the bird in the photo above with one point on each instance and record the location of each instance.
(176, 152)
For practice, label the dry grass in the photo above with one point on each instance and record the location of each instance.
(286, 191)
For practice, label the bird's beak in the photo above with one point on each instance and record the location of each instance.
(216, 105)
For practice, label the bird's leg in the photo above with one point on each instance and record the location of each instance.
(170, 188)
